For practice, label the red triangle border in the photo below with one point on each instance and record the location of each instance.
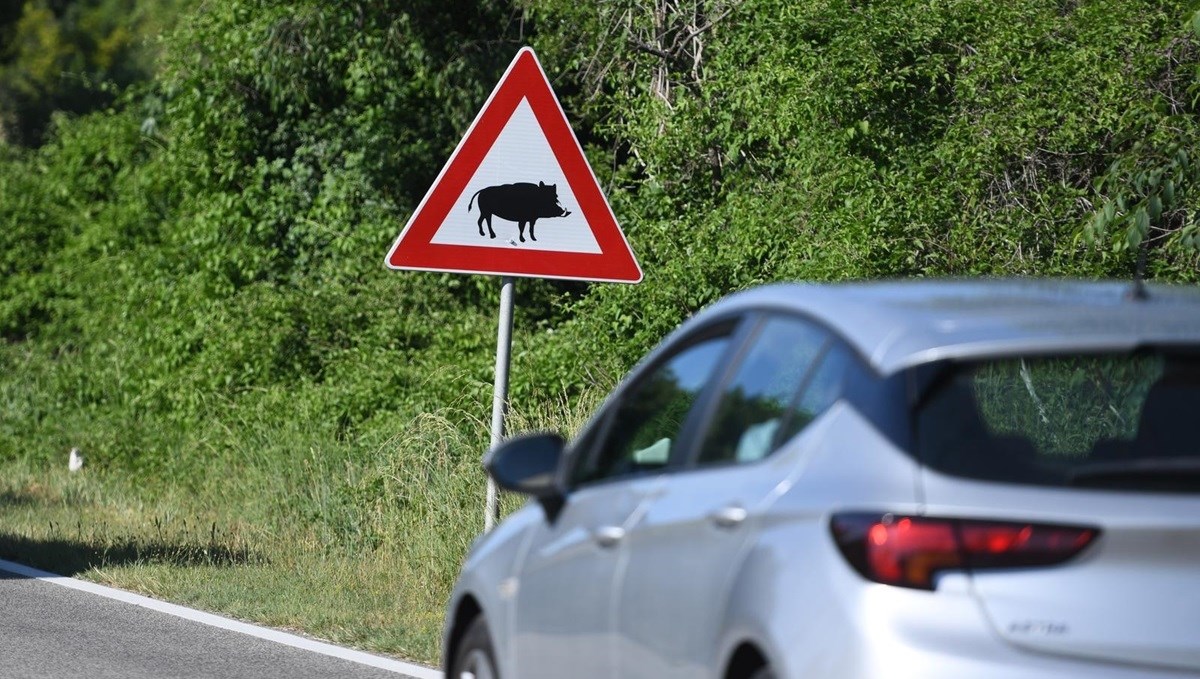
(524, 80)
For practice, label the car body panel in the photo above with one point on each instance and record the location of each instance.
(563, 620)
(1133, 596)
(690, 539)
(485, 576)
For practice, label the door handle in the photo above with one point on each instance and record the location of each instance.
(608, 536)
(729, 517)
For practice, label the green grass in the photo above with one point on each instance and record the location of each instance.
(276, 521)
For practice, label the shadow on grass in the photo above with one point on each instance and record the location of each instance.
(65, 556)
(10, 498)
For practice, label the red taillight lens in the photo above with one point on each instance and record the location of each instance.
(909, 551)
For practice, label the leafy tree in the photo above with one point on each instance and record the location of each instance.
(73, 55)
(759, 140)
(1147, 197)
(211, 241)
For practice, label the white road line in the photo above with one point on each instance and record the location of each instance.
(401, 667)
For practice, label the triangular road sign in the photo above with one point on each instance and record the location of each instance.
(517, 197)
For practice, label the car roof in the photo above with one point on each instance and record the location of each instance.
(899, 324)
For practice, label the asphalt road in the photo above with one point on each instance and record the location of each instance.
(52, 631)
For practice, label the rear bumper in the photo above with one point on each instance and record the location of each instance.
(896, 633)
(814, 617)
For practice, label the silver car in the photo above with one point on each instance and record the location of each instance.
(901, 480)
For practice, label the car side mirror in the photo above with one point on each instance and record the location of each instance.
(529, 465)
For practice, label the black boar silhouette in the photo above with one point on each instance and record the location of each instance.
(522, 203)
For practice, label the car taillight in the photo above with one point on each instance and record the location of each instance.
(909, 551)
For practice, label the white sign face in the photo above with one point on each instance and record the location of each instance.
(520, 154)
(517, 197)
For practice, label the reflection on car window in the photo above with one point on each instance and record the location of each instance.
(646, 426)
(1121, 421)
(756, 400)
(822, 390)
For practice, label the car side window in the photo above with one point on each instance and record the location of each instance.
(644, 430)
(822, 390)
(754, 403)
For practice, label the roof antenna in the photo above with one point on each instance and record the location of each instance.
(1138, 292)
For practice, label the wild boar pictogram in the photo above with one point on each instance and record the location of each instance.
(522, 203)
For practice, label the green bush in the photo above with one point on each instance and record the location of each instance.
(200, 262)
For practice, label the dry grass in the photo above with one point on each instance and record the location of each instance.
(360, 547)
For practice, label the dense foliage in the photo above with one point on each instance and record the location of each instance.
(72, 56)
(202, 256)
(755, 140)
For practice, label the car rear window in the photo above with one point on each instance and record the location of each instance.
(1105, 421)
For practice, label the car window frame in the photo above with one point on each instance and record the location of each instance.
(735, 326)
(883, 400)
(759, 319)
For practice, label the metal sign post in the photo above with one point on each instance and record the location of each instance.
(500, 389)
(519, 163)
